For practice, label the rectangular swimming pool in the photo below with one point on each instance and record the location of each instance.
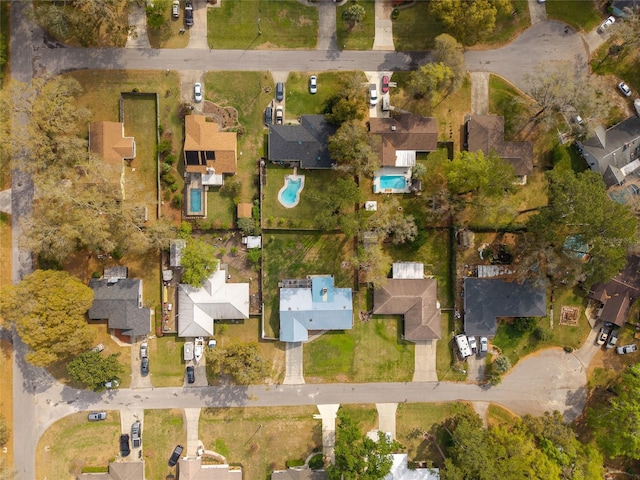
(393, 181)
(195, 200)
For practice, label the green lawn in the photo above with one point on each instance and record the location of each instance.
(260, 440)
(221, 210)
(583, 15)
(4, 38)
(296, 255)
(507, 101)
(168, 35)
(623, 65)
(166, 361)
(366, 414)
(359, 37)
(415, 29)
(262, 24)
(498, 415)
(509, 26)
(163, 430)
(275, 215)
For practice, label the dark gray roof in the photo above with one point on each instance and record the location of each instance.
(486, 299)
(618, 146)
(119, 302)
(305, 143)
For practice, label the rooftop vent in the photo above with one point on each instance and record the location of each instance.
(393, 128)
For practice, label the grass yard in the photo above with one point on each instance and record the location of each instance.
(262, 24)
(301, 102)
(246, 92)
(623, 66)
(163, 430)
(509, 26)
(507, 101)
(4, 38)
(73, 443)
(6, 395)
(248, 331)
(261, 440)
(148, 268)
(583, 15)
(366, 414)
(359, 37)
(296, 255)
(414, 419)
(415, 29)
(275, 215)
(166, 365)
(499, 416)
(221, 210)
(168, 35)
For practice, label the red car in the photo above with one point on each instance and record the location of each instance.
(385, 84)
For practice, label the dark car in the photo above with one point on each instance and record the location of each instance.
(175, 456)
(385, 84)
(144, 366)
(279, 91)
(268, 115)
(191, 374)
(136, 437)
(124, 445)
(188, 14)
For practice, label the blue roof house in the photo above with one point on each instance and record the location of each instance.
(313, 304)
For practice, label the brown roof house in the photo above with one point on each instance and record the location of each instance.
(409, 294)
(194, 469)
(403, 136)
(118, 471)
(614, 307)
(107, 139)
(486, 133)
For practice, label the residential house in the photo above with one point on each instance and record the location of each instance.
(107, 139)
(313, 303)
(486, 133)
(175, 252)
(400, 470)
(118, 300)
(118, 471)
(403, 136)
(614, 153)
(298, 473)
(199, 308)
(304, 145)
(613, 309)
(487, 299)
(414, 297)
(194, 469)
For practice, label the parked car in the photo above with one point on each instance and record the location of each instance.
(373, 95)
(279, 91)
(175, 456)
(98, 348)
(613, 339)
(144, 350)
(188, 14)
(627, 349)
(603, 334)
(175, 9)
(606, 24)
(268, 115)
(112, 384)
(624, 89)
(472, 344)
(124, 445)
(97, 416)
(484, 345)
(313, 84)
(385, 84)
(578, 119)
(197, 92)
(279, 115)
(144, 366)
(191, 374)
(136, 436)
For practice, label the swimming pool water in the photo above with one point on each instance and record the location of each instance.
(393, 181)
(290, 193)
(195, 204)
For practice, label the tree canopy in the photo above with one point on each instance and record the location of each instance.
(389, 222)
(241, 361)
(48, 309)
(198, 262)
(354, 14)
(357, 456)
(352, 150)
(348, 104)
(469, 21)
(335, 206)
(475, 172)
(450, 52)
(92, 369)
(432, 82)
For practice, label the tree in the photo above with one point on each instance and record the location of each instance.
(335, 206)
(92, 369)
(353, 14)
(627, 32)
(241, 361)
(155, 13)
(373, 263)
(350, 147)
(501, 364)
(198, 262)
(348, 104)
(478, 173)
(246, 225)
(432, 81)
(449, 52)
(389, 222)
(470, 21)
(48, 309)
(357, 456)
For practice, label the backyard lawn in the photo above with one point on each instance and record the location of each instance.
(261, 440)
(296, 255)
(73, 443)
(583, 15)
(221, 209)
(162, 431)
(360, 36)
(262, 24)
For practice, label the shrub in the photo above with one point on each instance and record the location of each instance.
(234, 251)
(542, 334)
(295, 463)
(246, 225)
(165, 169)
(176, 201)
(165, 146)
(525, 324)
(502, 364)
(316, 462)
(255, 256)
(168, 178)
(170, 159)
(185, 230)
(96, 275)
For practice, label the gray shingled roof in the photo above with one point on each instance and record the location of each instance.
(487, 299)
(305, 143)
(119, 303)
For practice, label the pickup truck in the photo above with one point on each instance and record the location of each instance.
(144, 350)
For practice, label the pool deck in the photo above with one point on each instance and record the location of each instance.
(392, 171)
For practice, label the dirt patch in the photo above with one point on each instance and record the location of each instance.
(569, 316)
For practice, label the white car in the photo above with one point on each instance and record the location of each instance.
(197, 92)
(144, 350)
(606, 24)
(373, 95)
(627, 349)
(175, 9)
(313, 84)
(279, 115)
(624, 89)
(472, 344)
(484, 345)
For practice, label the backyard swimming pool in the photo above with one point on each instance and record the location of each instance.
(195, 201)
(393, 181)
(289, 194)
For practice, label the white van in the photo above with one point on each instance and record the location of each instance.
(463, 346)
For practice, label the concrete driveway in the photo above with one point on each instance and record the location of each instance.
(293, 361)
(425, 362)
(537, 11)
(128, 416)
(476, 366)
(376, 78)
(198, 31)
(137, 380)
(187, 80)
